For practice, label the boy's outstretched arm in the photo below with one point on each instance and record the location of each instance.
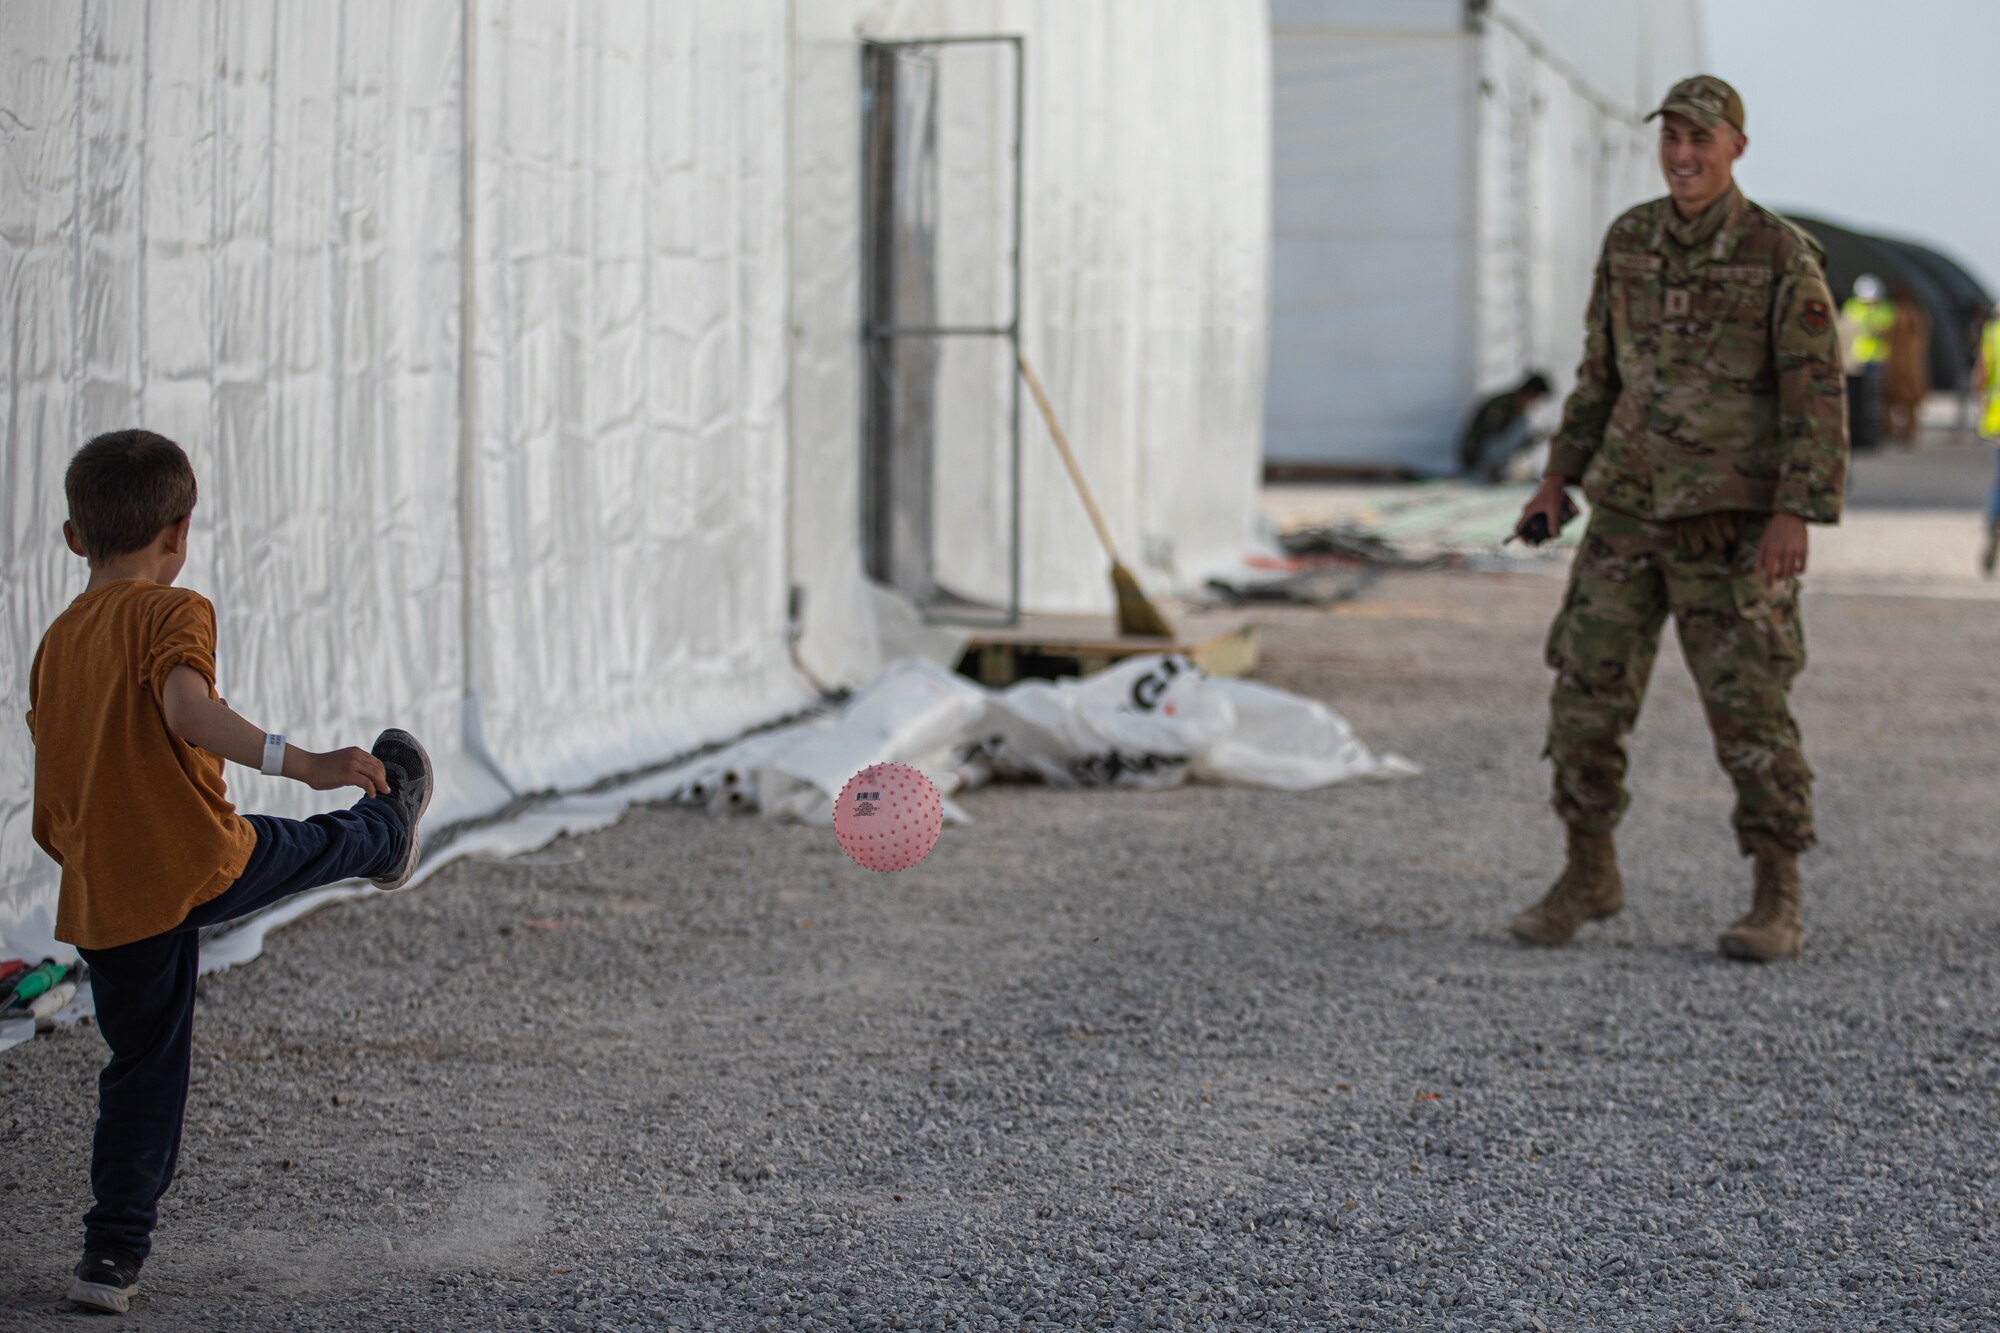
(212, 725)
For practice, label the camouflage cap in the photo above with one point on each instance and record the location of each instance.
(1705, 100)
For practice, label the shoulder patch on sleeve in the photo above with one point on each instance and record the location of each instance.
(1815, 318)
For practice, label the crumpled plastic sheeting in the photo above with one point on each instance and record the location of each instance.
(1149, 723)
(240, 224)
(1145, 275)
(915, 712)
(1154, 722)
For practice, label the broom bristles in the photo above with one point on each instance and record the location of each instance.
(1137, 616)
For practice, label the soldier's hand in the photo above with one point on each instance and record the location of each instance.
(1782, 553)
(1548, 501)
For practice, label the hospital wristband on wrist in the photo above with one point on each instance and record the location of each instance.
(274, 754)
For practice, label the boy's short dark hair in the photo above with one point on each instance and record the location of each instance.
(123, 487)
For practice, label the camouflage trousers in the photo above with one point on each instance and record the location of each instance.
(1743, 643)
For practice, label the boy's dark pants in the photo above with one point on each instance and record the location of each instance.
(144, 993)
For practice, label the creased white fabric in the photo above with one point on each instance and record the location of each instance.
(240, 224)
(1441, 187)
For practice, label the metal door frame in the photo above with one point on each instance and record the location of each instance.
(1010, 331)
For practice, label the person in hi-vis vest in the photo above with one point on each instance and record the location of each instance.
(1866, 318)
(1869, 316)
(1987, 380)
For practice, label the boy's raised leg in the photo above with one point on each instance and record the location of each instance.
(375, 838)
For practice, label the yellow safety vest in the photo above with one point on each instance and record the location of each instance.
(1871, 321)
(1989, 421)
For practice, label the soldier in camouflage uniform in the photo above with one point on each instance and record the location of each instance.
(1707, 429)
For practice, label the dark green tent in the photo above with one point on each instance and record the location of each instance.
(1955, 301)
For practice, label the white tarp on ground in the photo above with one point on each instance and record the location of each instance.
(1441, 186)
(244, 225)
(1148, 723)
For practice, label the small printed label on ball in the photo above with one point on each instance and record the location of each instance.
(864, 806)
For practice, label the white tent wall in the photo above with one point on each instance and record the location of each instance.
(240, 224)
(1371, 352)
(1145, 264)
(630, 357)
(1628, 54)
(1563, 150)
(1444, 174)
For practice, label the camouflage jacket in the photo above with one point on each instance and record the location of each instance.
(1711, 374)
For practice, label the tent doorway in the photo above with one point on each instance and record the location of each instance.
(942, 130)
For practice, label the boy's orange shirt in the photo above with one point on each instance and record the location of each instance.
(136, 817)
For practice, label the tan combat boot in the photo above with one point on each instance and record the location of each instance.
(1589, 889)
(1772, 929)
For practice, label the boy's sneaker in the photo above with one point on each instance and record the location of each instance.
(105, 1280)
(410, 783)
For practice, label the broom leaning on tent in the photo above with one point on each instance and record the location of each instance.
(1136, 614)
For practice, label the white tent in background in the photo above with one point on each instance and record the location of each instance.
(1444, 171)
(518, 346)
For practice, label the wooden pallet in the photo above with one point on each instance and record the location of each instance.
(1045, 647)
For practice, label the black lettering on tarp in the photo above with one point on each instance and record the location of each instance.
(1104, 770)
(1147, 689)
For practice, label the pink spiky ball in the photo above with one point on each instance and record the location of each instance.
(888, 817)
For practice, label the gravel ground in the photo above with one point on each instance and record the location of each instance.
(1201, 1059)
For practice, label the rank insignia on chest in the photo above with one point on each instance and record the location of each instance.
(1815, 318)
(1677, 302)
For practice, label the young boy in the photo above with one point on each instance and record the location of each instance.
(129, 742)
